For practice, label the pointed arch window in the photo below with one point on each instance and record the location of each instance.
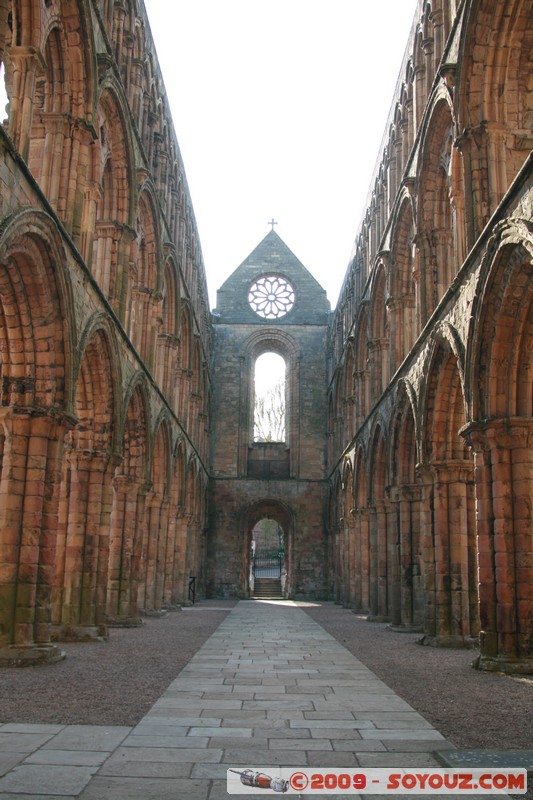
(269, 398)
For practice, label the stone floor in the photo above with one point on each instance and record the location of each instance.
(269, 688)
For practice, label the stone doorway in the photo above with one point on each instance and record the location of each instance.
(268, 555)
(267, 574)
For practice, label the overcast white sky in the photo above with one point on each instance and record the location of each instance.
(279, 109)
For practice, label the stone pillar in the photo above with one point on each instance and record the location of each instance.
(166, 368)
(180, 580)
(352, 557)
(82, 613)
(337, 581)
(382, 559)
(25, 64)
(75, 188)
(394, 555)
(344, 562)
(29, 497)
(448, 550)
(155, 553)
(169, 563)
(406, 592)
(127, 523)
(503, 451)
(378, 562)
(362, 558)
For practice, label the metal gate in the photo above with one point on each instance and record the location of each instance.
(267, 565)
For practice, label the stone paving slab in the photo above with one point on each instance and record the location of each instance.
(269, 688)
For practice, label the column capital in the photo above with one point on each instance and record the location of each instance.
(503, 433)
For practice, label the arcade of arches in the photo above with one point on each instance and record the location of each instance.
(403, 487)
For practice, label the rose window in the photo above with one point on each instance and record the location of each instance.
(271, 296)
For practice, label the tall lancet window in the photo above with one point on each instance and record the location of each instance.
(269, 398)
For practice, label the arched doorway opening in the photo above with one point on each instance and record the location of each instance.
(268, 547)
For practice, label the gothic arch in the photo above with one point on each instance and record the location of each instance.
(361, 369)
(157, 503)
(277, 341)
(59, 75)
(37, 321)
(167, 351)
(434, 210)
(501, 382)
(379, 342)
(405, 495)
(251, 514)
(499, 369)
(448, 527)
(36, 346)
(493, 103)
(349, 392)
(146, 279)
(86, 496)
(494, 97)
(442, 400)
(128, 516)
(137, 442)
(113, 199)
(404, 327)
(99, 324)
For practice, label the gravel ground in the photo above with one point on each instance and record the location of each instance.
(116, 682)
(473, 709)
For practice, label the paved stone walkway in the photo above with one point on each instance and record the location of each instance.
(269, 687)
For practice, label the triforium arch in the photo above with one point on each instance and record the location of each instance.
(435, 231)
(494, 105)
(281, 513)
(500, 383)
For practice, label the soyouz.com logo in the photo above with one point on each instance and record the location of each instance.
(289, 780)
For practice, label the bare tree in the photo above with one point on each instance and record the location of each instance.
(269, 414)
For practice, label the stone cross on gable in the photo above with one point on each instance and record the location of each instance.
(272, 223)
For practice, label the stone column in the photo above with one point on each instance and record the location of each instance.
(157, 514)
(394, 555)
(406, 590)
(352, 557)
(170, 557)
(382, 560)
(127, 528)
(29, 497)
(362, 557)
(503, 451)
(180, 580)
(25, 64)
(82, 612)
(448, 539)
(337, 582)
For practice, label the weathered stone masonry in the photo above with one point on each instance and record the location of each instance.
(104, 333)
(127, 463)
(430, 413)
